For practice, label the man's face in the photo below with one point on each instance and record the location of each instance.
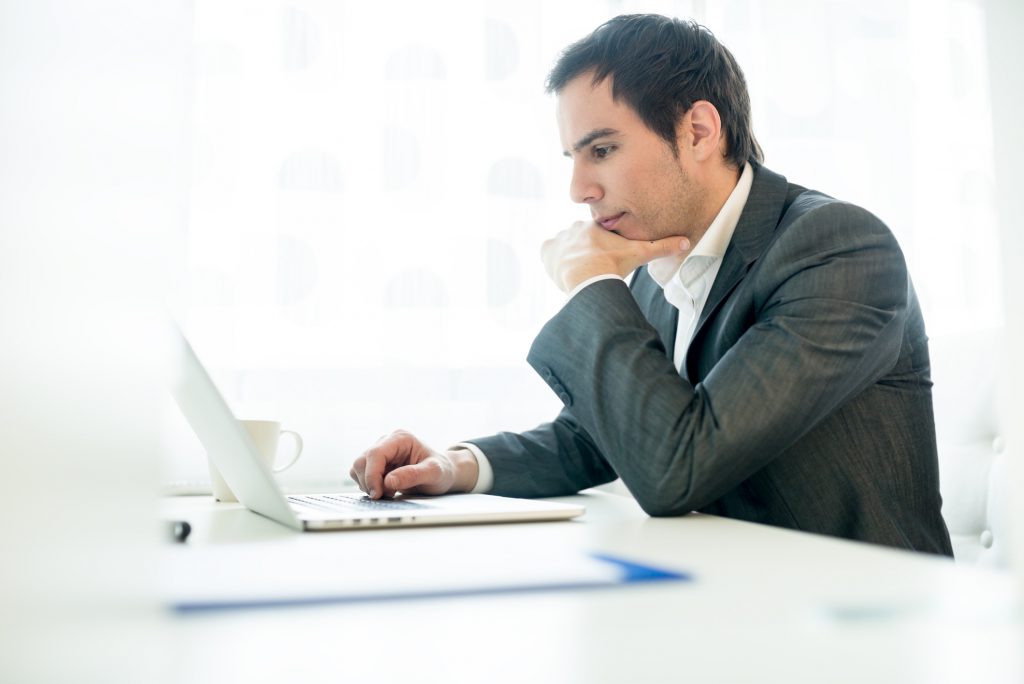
(629, 176)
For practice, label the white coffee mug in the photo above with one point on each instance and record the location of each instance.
(265, 435)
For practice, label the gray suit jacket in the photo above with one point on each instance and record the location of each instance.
(804, 400)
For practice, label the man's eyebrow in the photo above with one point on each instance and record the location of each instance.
(589, 138)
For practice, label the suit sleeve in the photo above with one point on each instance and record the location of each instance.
(828, 307)
(553, 459)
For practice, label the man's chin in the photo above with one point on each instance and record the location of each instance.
(633, 235)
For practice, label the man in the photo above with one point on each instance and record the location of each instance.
(767, 361)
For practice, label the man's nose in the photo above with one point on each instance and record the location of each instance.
(584, 189)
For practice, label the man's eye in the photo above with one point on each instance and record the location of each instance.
(602, 151)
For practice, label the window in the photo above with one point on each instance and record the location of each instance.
(371, 183)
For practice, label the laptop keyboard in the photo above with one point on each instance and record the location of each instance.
(344, 503)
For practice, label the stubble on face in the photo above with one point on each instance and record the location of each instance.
(673, 204)
(642, 179)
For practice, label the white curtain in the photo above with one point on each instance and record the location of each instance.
(371, 183)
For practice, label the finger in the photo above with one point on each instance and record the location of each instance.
(670, 246)
(425, 475)
(545, 250)
(356, 472)
(548, 257)
(360, 480)
(392, 452)
(373, 473)
(646, 252)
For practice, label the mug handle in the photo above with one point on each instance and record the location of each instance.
(298, 450)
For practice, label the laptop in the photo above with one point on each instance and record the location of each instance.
(232, 451)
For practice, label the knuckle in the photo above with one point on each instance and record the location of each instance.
(434, 471)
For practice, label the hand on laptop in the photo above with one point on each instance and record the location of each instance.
(399, 462)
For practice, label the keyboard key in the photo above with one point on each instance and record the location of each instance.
(344, 504)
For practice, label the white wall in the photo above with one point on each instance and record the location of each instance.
(369, 196)
(1005, 23)
(93, 190)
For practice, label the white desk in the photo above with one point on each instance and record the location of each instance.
(766, 605)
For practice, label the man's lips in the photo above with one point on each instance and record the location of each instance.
(608, 222)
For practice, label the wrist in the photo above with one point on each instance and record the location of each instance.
(590, 281)
(577, 276)
(467, 470)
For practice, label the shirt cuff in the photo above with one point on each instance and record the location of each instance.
(588, 281)
(485, 478)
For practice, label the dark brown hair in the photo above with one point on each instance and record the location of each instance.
(660, 67)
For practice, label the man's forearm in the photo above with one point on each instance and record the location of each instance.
(553, 459)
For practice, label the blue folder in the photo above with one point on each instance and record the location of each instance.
(617, 572)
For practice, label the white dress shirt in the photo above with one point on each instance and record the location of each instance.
(686, 282)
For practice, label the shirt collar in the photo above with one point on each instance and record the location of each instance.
(715, 240)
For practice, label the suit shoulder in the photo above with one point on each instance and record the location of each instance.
(804, 204)
(833, 237)
(827, 221)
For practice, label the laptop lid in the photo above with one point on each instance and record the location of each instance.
(226, 441)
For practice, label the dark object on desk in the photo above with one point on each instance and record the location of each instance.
(179, 530)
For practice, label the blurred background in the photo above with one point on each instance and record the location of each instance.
(370, 184)
(343, 202)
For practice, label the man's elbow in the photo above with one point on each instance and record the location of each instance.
(663, 504)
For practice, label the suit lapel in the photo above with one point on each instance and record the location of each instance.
(659, 313)
(753, 232)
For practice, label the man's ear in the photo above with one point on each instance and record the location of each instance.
(700, 131)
